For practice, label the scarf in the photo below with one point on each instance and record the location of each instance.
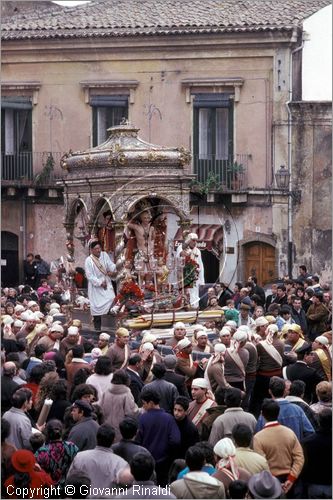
(229, 467)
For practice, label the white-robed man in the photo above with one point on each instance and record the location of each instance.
(189, 249)
(99, 270)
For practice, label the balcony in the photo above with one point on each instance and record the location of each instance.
(31, 168)
(214, 174)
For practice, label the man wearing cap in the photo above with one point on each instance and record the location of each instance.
(51, 341)
(201, 401)
(73, 338)
(29, 324)
(185, 364)
(270, 360)
(321, 358)
(179, 332)
(200, 340)
(99, 270)
(225, 336)
(189, 249)
(103, 343)
(295, 338)
(119, 352)
(149, 356)
(214, 372)
(84, 431)
(235, 360)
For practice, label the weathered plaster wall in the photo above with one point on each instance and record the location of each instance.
(312, 166)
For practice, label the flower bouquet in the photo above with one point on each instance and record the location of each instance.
(130, 295)
(190, 272)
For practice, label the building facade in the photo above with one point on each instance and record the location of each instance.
(214, 81)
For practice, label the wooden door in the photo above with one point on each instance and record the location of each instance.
(259, 261)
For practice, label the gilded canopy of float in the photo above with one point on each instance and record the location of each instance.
(124, 149)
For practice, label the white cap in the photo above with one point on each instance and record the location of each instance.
(220, 348)
(200, 382)
(322, 340)
(18, 323)
(148, 337)
(19, 308)
(38, 315)
(32, 303)
(225, 448)
(244, 328)
(240, 336)
(54, 305)
(147, 346)
(192, 236)
(104, 336)
(7, 319)
(73, 330)
(198, 327)
(261, 321)
(53, 312)
(225, 331)
(182, 344)
(179, 324)
(272, 329)
(96, 352)
(201, 333)
(56, 328)
(231, 323)
(28, 316)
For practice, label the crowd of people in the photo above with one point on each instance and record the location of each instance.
(235, 408)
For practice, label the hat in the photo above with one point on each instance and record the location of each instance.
(73, 330)
(122, 332)
(39, 328)
(220, 348)
(322, 340)
(261, 321)
(104, 336)
(195, 328)
(246, 301)
(272, 329)
(225, 331)
(18, 323)
(28, 316)
(19, 308)
(264, 485)
(224, 448)
(77, 322)
(148, 337)
(244, 328)
(271, 319)
(244, 306)
(83, 406)
(54, 305)
(179, 324)
(56, 328)
(201, 333)
(53, 312)
(200, 382)
(231, 315)
(38, 315)
(240, 336)
(23, 460)
(6, 319)
(96, 353)
(170, 361)
(192, 236)
(147, 346)
(32, 303)
(231, 323)
(182, 344)
(295, 328)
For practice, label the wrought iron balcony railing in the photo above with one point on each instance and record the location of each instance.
(214, 174)
(31, 167)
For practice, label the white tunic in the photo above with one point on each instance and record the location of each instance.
(100, 299)
(195, 254)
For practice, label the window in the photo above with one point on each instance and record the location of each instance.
(108, 111)
(16, 138)
(16, 125)
(212, 135)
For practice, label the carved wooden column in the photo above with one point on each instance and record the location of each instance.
(119, 253)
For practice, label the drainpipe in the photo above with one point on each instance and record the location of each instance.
(290, 124)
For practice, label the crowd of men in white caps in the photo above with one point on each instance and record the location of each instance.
(234, 409)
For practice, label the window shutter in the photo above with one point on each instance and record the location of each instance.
(106, 101)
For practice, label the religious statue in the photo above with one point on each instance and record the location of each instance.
(106, 233)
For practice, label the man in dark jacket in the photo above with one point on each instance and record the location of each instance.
(167, 391)
(127, 447)
(188, 432)
(170, 362)
(30, 270)
(298, 315)
(317, 315)
(84, 432)
(133, 370)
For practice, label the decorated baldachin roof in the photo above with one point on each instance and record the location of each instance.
(112, 18)
(124, 149)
